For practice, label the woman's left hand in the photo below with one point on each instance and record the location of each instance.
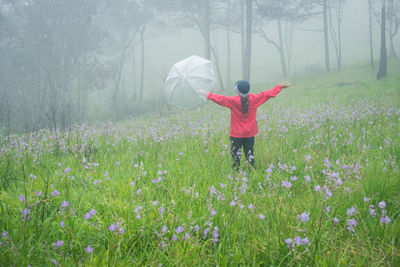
(285, 84)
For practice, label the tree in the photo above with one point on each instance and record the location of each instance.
(336, 34)
(189, 13)
(126, 21)
(285, 12)
(383, 59)
(393, 27)
(59, 53)
(248, 42)
(326, 38)
(370, 34)
(194, 13)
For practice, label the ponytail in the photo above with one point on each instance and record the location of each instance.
(245, 104)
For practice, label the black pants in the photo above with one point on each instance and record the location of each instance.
(248, 147)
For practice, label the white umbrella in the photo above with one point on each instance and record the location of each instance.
(185, 80)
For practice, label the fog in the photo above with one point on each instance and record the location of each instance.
(74, 61)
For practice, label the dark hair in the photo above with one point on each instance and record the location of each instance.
(243, 87)
(245, 104)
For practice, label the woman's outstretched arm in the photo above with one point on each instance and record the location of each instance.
(264, 96)
(218, 99)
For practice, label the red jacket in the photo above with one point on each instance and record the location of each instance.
(244, 125)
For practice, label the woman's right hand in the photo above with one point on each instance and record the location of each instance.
(285, 84)
(204, 93)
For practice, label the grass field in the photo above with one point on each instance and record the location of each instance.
(160, 190)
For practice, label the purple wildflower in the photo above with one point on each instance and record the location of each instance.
(25, 214)
(352, 222)
(4, 234)
(205, 232)
(335, 220)
(304, 217)
(121, 230)
(138, 209)
(382, 205)
(64, 204)
(328, 209)
(21, 198)
(55, 193)
(59, 243)
(307, 178)
(286, 184)
(289, 242)
(261, 216)
(62, 224)
(89, 249)
(215, 234)
(212, 190)
(67, 170)
(372, 212)
(328, 193)
(338, 181)
(113, 227)
(179, 229)
(213, 212)
(298, 241)
(164, 229)
(187, 236)
(317, 188)
(352, 211)
(161, 210)
(385, 220)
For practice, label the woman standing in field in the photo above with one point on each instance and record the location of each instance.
(243, 116)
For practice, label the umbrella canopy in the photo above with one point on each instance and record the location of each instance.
(185, 80)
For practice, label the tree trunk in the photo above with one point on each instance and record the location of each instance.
(247, 59)
(339, 20)
(371, 47)
(118, 80)
(216, 61)
(281, 49)
(325, 17)
(228, 49)
(243, 33)
(289, 45)
(134, 91)
(393, 28)
(142, 62)
(207, 35)
(383, 60)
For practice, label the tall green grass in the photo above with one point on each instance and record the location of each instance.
(149, 178)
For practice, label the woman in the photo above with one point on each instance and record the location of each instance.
(243, 116)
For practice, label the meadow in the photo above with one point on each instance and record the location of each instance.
(160, 189)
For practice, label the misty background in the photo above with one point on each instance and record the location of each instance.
(68, 61)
